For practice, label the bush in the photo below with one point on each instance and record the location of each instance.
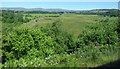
(99, 34)
(26, 41)
(65, 41)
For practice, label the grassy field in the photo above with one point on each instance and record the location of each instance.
(73, 23)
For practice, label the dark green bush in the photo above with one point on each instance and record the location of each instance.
(26, 41)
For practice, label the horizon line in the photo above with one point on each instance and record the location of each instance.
(58, 8)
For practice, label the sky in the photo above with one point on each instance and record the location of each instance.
(59, 0)
(63, 5)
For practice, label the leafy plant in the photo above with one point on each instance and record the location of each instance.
(26, 41)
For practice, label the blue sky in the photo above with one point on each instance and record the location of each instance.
(60, 0)
(64, 5)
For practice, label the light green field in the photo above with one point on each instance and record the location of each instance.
(73, 23)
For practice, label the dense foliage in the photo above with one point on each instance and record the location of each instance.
(36, 46)
(106, 33)
(12, 17)
(26, 41)
(65, 41)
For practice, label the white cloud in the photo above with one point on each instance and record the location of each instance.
(60, 0)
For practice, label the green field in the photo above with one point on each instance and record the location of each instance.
(73, 23)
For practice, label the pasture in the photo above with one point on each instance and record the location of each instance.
(72, 22)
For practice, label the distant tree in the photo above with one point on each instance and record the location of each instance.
(13, 17)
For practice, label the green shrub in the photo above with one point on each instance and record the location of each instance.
(99, 34)
(8, 27)
(65, 41)
(103, 35)
(26, 41)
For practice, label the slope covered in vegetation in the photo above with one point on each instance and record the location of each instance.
(27, 45)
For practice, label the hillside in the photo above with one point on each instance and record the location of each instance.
(58, 40)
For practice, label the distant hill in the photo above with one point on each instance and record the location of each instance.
(32, 9)
(55, 10)
(104, 12)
